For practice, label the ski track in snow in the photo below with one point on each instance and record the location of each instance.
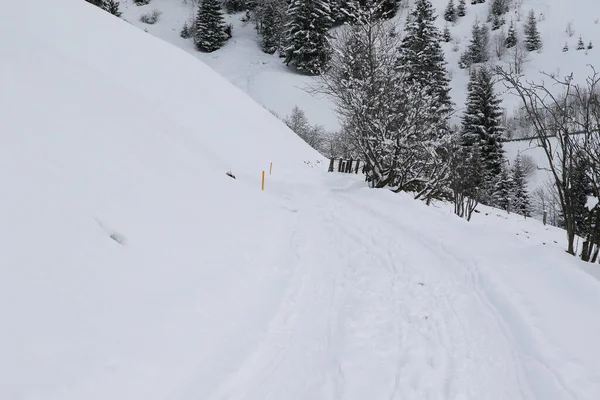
(434, 329)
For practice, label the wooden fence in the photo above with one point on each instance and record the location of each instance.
(348, 166)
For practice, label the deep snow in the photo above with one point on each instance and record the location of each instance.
(134, 268)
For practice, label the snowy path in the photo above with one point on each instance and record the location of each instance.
(371, 315)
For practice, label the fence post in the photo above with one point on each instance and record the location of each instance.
(357, 164)
(349, 166)
(340, 165)
(331, 165)
(545, 217)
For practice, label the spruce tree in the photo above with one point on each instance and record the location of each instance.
(581, 188)
(520, 202)
(482, 121)
(210, 29)
(307, 42)
(503, 189)
(384, 9)
(421, 59)
(590, 46)
(511, 37)
(499, 7)
(478, 50)
(566, 47)
(461, 10)
(533, 40)
(112, 6)
(580, 45)
(446, 34)
(270, 15)
(97, 3)
(497, 22)
(450, 12)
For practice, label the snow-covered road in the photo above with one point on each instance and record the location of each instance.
(381, 305)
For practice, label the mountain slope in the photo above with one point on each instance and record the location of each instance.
(134, 268)
(268, 81)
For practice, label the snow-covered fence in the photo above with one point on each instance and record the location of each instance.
(348, 166)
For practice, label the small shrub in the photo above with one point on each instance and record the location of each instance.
(185, 32)
(228, 31)
(141, 2)
(151, 18)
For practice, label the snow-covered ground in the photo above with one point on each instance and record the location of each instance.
(133, 268)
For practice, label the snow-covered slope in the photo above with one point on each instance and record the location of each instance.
(271, 84)
(132, 267)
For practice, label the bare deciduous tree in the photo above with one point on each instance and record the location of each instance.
(566, 127)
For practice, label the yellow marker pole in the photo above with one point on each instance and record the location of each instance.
(262, 186)
(270, 168)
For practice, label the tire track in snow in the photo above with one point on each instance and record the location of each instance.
(467, 351)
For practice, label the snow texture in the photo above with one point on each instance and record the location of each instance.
(133, 267)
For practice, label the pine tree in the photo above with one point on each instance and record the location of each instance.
(421, 58)
(590, 46)
(533, 40)
(112, 6)
(450, 12)
(482, 122)
(446, 34)
(566, 48)
(307, 43)
(520, 202)
(210, 29)
(503, 189)
(580, 45)
(511, 37)
(461, 10)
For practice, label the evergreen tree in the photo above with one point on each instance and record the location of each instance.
(497, 21)
(210, 29)
(503, 189)
(270, 16)
(581, 188)
(386, 9)
(482, 122)
(590, 46)
(511, 37)
(112, 6)
(499, 7)
(97, 3)
(478, 50)
(566, 47)
(307, 43)
(580, 45)
(446, 34)
(461, 10)
(450, 12)
(520, 202)
(421, 59)
(533, 40)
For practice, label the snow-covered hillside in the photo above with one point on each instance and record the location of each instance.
(133, 267)
(268, 81)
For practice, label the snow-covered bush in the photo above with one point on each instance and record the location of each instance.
(151, 18)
